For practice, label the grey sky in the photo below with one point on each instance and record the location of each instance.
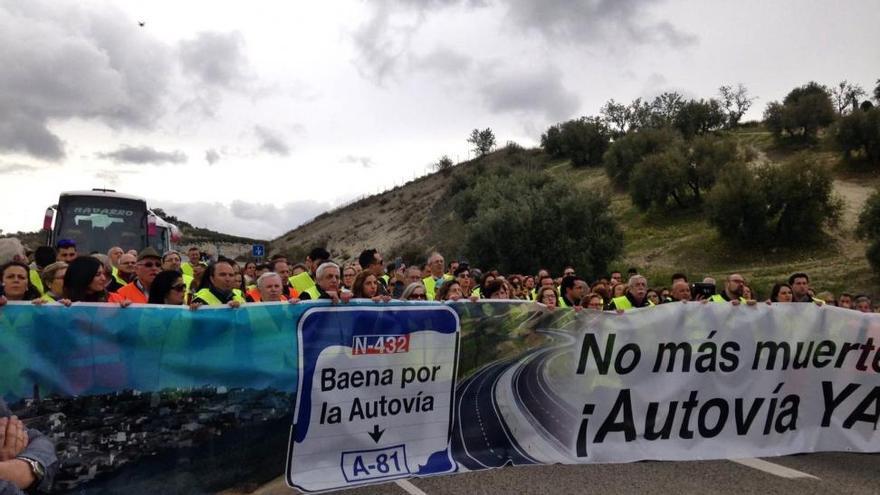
(231, 117)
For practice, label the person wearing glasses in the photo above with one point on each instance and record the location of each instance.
(149, 264)
(53, 281)
(415, 291)
(167, 288)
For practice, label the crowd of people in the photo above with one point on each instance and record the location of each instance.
(61, 275)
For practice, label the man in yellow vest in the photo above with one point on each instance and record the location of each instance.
(800, 289)
(329, 282)
(217, 287)
(436, 276)
(195, 256)
(572, 291)
(635, 297)
(733, 290)
(43, 257)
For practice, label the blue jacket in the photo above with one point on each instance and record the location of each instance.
(41, 449)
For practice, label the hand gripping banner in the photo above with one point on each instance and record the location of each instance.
(152, 399)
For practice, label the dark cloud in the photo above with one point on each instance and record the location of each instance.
(212, 156)
(443, 61)
(216, 59)
(384, 39)
(142, 155)
(363, 161)
(607, 22)
(70, 62)
(258, 220)
(271, 141)
(539, 91)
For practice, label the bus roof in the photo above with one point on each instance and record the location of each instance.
(102, 194)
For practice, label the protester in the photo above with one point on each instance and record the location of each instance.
(86, 281)
(149, 264)
(571, 290)
(53, 281)
(863, 304)
(269, 287)
(635, 297)
(43, 257)
(348, 275)
(368, 286)
(845, 300)
(548, 297)
(250, 275)
(217, 284)
(65, 250)
(800, 288)
(681, 291)
(194, 258)
(450, 291)
(593, 301)
(780, 293)
(436, 275)
(125, 269)
(733, 290)
(306, 280)
(168, 288)
(327, 285)
(414, 292)
(16, 282)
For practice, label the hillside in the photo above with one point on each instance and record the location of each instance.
(412, 218)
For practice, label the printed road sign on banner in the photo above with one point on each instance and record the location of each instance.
(376, 395)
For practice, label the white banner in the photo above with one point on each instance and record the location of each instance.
(697, 381)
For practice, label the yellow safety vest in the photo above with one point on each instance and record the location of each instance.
(186, 268)
(623, 303)
(35, 280)
(115, 273)
(209, 297)
(718, 298)
(313, 292)
(301, 282)
(431, 285)
(560, 302)
(46, 297)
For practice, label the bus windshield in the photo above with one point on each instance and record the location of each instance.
(98, 223)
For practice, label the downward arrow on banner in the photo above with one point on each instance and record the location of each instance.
(376, 434)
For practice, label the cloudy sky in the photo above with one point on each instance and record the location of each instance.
(251, 119)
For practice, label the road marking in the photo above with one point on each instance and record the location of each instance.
(409, 487)
(774, 469)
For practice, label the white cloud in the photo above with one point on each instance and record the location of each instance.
(246, 218)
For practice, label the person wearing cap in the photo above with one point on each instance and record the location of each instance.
(149, 264)
(65, 250)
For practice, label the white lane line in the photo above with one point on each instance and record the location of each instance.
(409, 487)
(774, 469)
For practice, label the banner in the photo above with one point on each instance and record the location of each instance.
(164, 399)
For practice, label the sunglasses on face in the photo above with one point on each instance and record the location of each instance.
(418, 296)
(178, 287)
(151, 264)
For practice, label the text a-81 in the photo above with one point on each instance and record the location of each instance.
(379, 344)
(375, 464)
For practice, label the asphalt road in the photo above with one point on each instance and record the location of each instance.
(836, 473)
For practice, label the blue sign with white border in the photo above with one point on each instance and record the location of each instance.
(376, 395)
(258, 250)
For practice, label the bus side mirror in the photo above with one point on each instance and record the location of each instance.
(47, 220)
(151, 225)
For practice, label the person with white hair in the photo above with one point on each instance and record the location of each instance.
(11, 249)
(636, 295)
(328, 285)
(270, 288)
